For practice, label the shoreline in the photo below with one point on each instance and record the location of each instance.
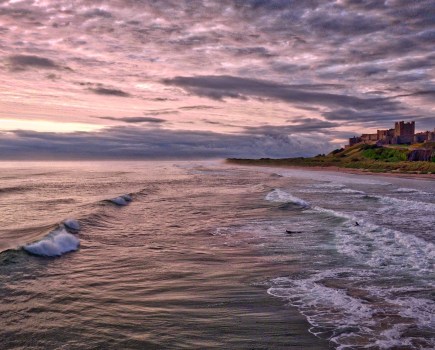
(345, 170)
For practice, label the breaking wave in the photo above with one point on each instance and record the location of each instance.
(56, 243)
(407, 203)
(121, 200)
(64, 238)
(280, 196)
(410, 190)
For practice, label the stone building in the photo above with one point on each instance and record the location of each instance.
(404, 132)
(385, 137)
(424, 136)
(369, 137)
(354, 140)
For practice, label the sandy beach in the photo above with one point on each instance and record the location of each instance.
(350, 171)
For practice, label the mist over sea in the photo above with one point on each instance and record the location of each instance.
(204, 255)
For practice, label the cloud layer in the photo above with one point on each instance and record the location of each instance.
(136, 143)
(257, 71)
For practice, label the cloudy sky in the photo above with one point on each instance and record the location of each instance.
(209, 78)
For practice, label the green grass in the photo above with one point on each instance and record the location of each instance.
(368, 157)
(385, 154)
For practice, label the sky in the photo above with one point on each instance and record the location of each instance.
(127, 79)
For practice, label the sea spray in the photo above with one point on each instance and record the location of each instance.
(56, 243)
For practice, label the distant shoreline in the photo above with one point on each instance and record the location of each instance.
(359, 159)
(270, 163)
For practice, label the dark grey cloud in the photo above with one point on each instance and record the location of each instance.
(134, 120)
(160, 99)
(288, 68)
(426, 62)
(219, 87)
(298, 125)
(250, 51)
(200, 107)
(23, 62)
(428, 95)
(334, 23)
(97, 13)
(109, 92)
(165, 111)
(140, 143)
(378, 119)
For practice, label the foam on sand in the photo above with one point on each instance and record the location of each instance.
(335, 304)
(56, 243)
(323, 306)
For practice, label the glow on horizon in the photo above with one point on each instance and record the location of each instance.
(46, 126)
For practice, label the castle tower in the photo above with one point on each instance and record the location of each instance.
(404, 129)
(404, 132)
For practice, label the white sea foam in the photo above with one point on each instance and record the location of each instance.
(379, 246)
(332, 213)
(329, 186)
(280, 196)
(56, 243)
(351, 191)
(410, 190)
(72, 224)
(323, 306)
(348, 317)
(407, 204)
(392, 337)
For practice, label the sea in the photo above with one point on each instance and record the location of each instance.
(209, 255)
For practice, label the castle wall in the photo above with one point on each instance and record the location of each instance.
(403, 133)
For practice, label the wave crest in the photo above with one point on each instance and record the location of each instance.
(121, 200)
(281, 196)
(56, 243)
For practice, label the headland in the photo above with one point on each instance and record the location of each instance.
(394, 151)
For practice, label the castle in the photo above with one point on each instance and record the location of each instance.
(403, 133)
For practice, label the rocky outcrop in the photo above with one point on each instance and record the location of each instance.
(423, 155)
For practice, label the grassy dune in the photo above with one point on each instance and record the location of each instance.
(367, 157)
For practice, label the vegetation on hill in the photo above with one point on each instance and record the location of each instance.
(360, 156)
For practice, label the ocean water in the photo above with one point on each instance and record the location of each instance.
(204, 255)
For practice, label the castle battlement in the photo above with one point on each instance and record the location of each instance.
(403, 133)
